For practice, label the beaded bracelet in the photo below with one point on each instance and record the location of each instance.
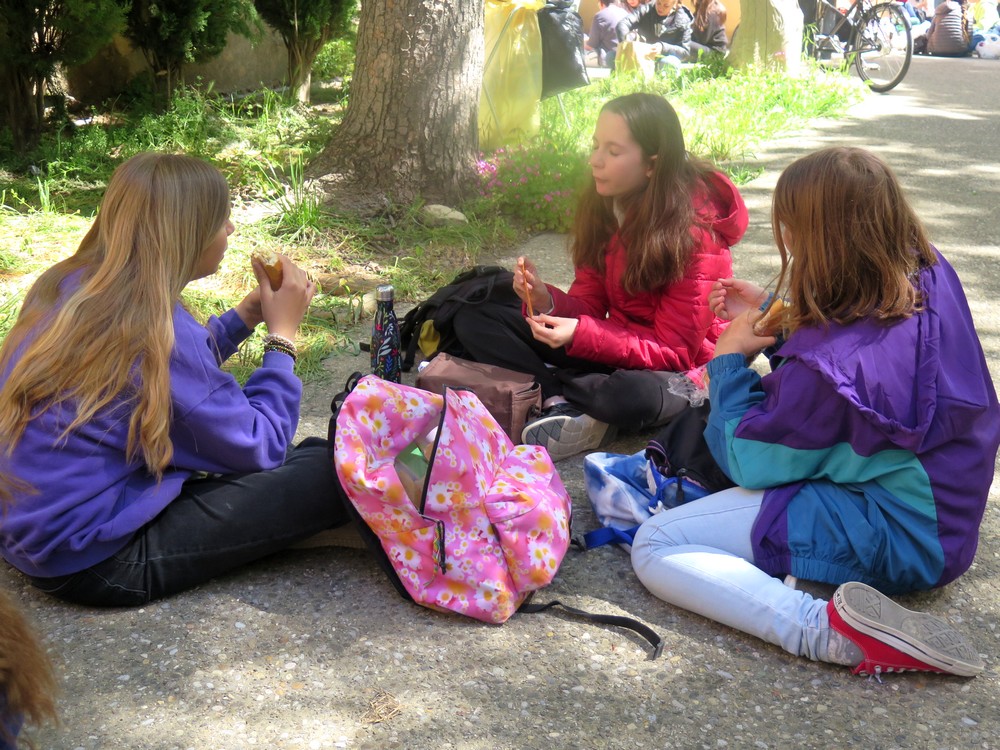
(275, 343)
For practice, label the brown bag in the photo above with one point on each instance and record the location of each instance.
(513, 398)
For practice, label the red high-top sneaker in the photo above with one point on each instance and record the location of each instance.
(895, 639)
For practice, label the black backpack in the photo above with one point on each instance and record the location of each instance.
(471, 287)
(686, 468)
(679, 450)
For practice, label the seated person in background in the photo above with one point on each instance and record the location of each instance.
(982, 17)
(947, 35)
(603, 37)
(918, 18)
(708, 30)
(924, 8)
(665, 24)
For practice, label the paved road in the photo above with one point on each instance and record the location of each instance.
(292, 652)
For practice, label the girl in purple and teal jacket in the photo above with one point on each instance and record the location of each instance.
(863, 460)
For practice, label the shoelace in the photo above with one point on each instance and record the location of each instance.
(876, 673)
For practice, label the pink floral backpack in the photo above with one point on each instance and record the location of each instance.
(467, 521)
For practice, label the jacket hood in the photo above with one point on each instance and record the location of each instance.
(725, 209)
(899, 375)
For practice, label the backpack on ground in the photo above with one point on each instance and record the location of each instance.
(513, 398)
(428, 326)
(465, 521)
(675, 468)
(459, 518)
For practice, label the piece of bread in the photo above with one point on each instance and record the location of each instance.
(770, 324)
(272, 267)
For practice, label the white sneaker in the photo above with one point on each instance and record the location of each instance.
(566, 431)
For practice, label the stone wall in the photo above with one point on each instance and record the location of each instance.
(241, 66)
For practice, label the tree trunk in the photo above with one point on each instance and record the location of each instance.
(411, 122)
(301, 56)
(770, 35)
(25, 108)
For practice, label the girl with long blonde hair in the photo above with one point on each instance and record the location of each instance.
(863, 461)
(652, 231)
(133, 466)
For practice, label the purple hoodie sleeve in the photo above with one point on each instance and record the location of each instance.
(228, 332)
(217, 426)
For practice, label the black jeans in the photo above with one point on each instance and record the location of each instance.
(216, 524)
(497, 334)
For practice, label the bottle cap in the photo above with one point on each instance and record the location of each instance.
(384, 293)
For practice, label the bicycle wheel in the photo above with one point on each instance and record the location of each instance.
(882, 46)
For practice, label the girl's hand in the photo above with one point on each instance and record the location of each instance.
(739, 337)
(731, 298)
(283, 310)
(529, 287)
(555, 332)
(250, 311)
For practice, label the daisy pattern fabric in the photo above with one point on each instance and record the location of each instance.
(492, 523)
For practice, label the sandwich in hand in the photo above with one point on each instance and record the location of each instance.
(272, 267)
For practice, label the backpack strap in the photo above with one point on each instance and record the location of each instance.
(605, 535)
(654, 638)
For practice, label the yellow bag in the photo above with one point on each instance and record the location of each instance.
(512, 75)
(635, 56)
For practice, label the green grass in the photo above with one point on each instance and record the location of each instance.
(724, 115)
(261, 143)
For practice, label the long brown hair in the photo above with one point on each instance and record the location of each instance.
(657, 223)
(856, 242)
(110, 332)
(26, 676)
(704, 8)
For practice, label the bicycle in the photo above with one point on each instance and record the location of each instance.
(878, 42)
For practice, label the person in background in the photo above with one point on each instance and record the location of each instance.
(665, 24)
(708, 28)
(948, 34)
(982, 18)
(863, 460)
(603, 37)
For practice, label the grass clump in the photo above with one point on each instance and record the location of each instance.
(724, 114)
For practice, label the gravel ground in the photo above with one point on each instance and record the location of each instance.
(313, 648)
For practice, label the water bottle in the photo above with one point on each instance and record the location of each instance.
(385, 337)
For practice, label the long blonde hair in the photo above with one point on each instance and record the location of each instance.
(107, 332)
(857, 245)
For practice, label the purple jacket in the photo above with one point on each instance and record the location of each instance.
(90, 500)
(875, 445)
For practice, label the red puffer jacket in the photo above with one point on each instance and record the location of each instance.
(670, 328)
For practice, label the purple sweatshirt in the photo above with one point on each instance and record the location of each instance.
(89, 500)
(874, 443)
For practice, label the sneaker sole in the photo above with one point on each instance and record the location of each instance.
(563, 436)
(925, 637)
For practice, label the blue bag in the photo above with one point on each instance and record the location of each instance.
(675, 468)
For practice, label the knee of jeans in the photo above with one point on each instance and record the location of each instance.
(654, 538)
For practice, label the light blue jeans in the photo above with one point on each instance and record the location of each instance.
(698, 557)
